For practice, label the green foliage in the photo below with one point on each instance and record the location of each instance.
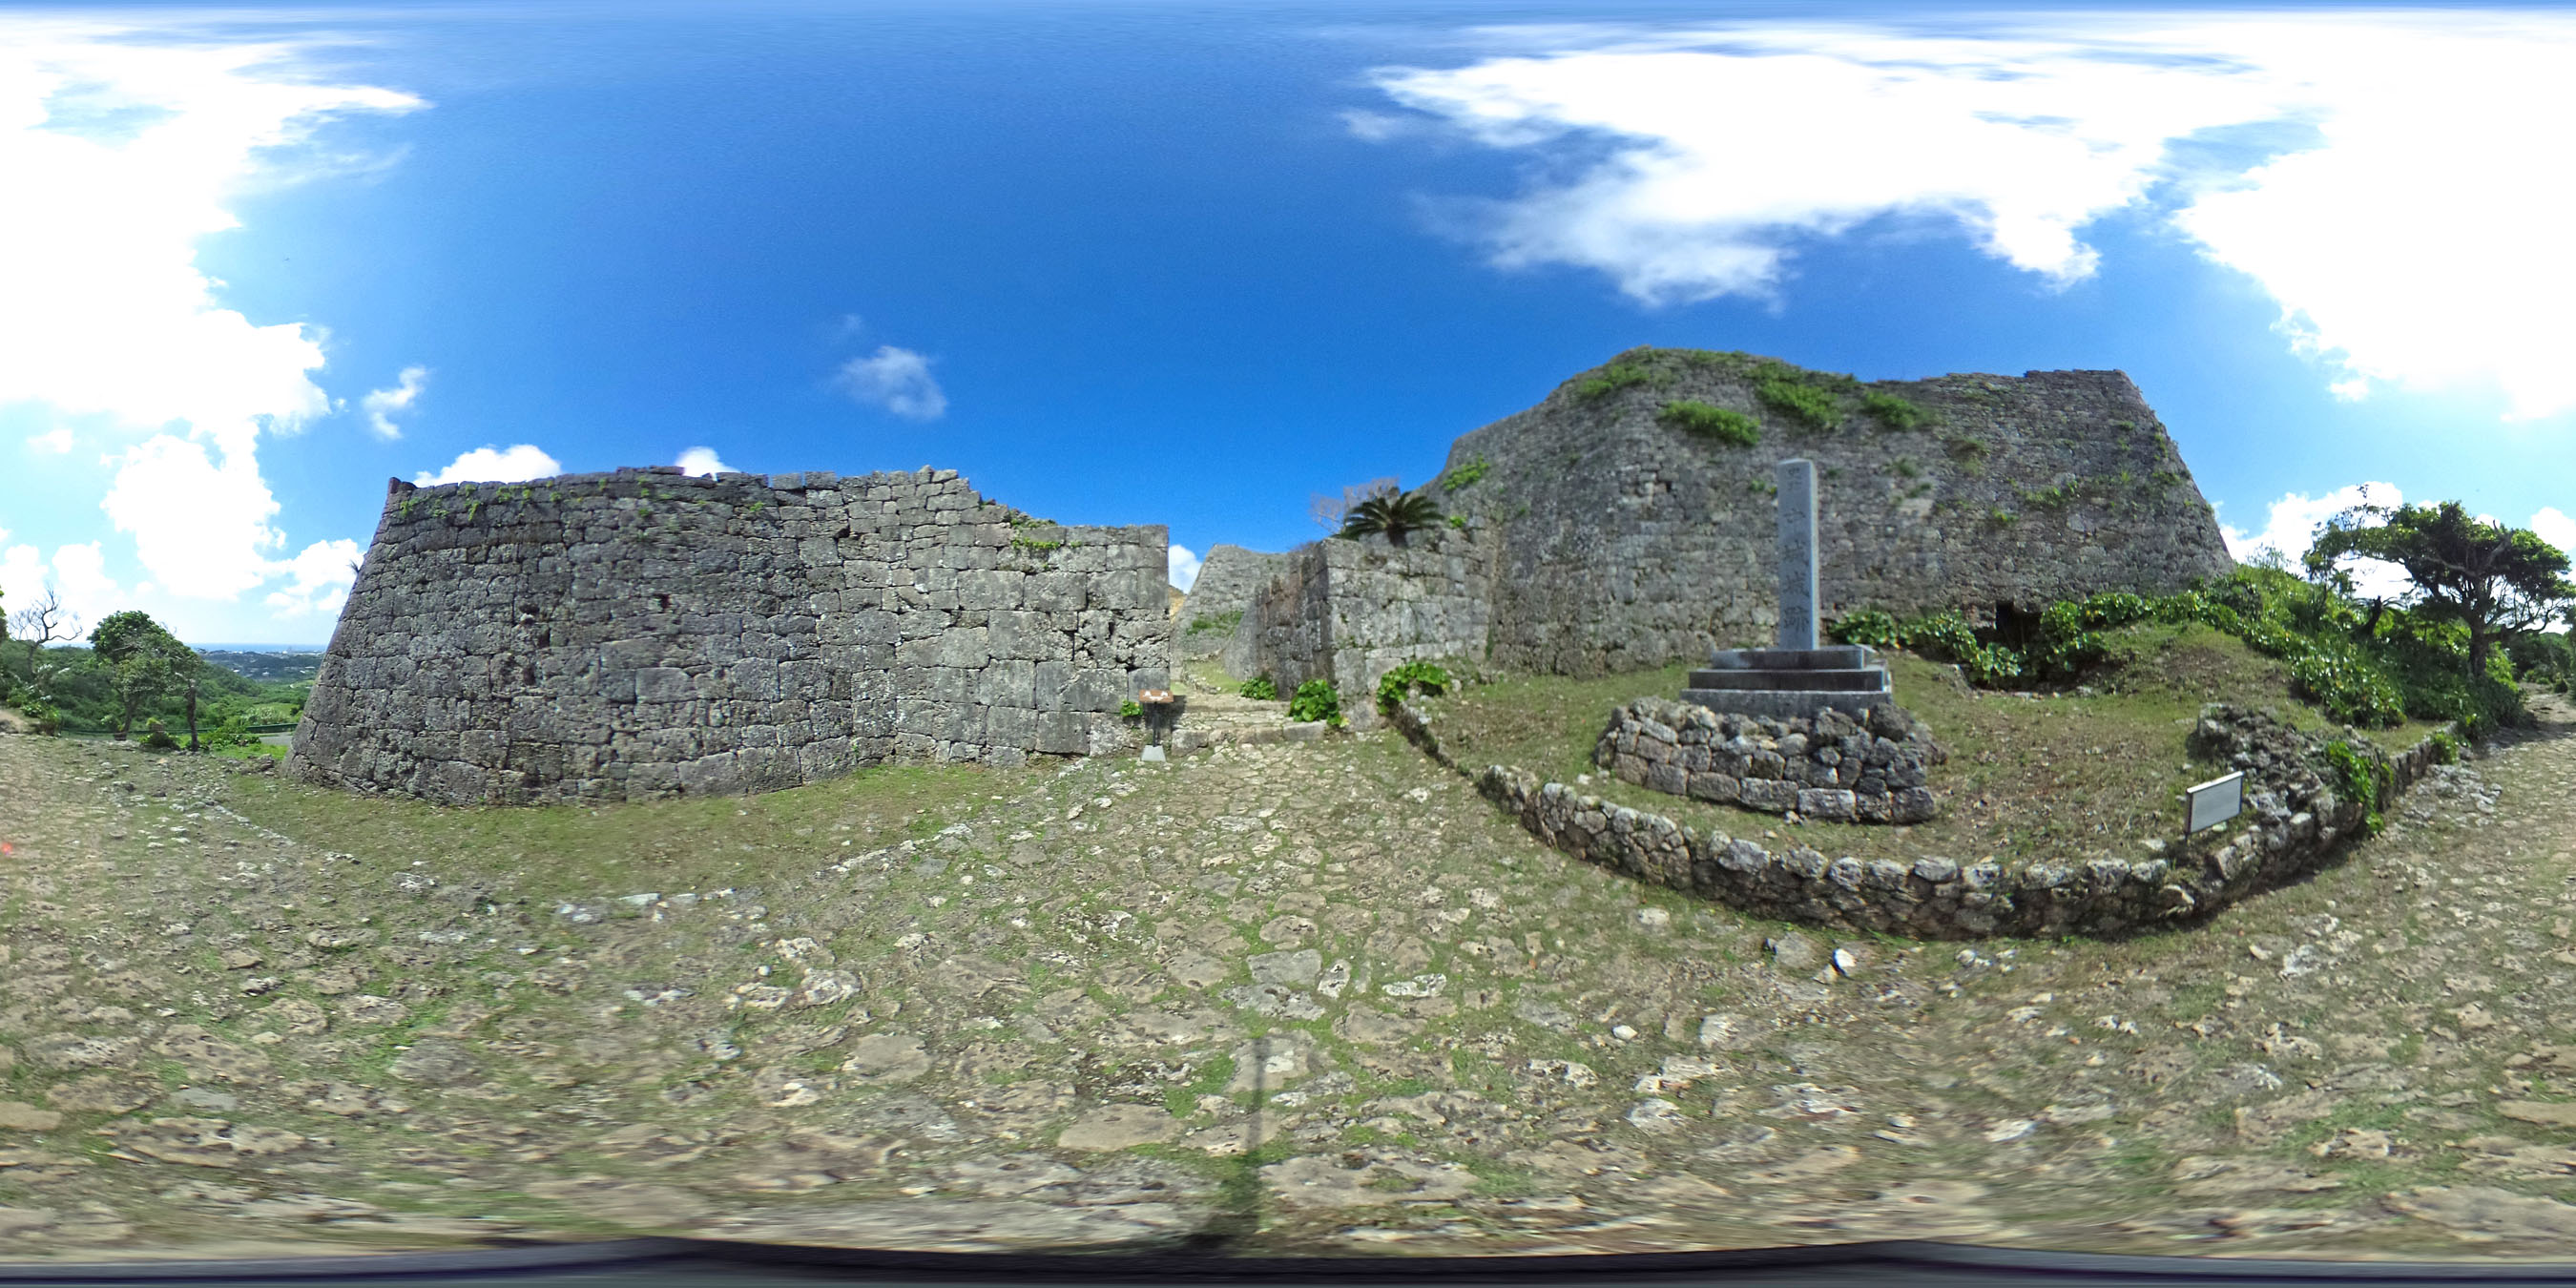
(234, 731)
(2369, 668)
(1458, 523)
(1131, 710)
(1802, 403)
(1416, 674)
(1260, 688)
(1624, 372)
(156, 737)
(1906, 468)
(2446, 749)
(2362, 777)
(1465, 475)
(44, 715)
(1222, 623)
(1316, 700)
(1892, 411)
(1710, 421)
(1391, 513)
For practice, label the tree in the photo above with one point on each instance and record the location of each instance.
(143, 661)
(2497, 582)
(1392, 513)
(1330, 511)
(41, 623)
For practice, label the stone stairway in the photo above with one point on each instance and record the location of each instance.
(1785, 683)
(1212, 716)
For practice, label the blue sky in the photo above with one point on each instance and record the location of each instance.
(1191, 264)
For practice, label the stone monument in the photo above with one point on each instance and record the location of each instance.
(1801, 675)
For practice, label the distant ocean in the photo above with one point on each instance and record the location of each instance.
(259, 648)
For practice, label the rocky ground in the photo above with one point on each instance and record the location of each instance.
(1303, 997)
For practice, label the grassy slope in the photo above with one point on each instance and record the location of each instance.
(2058, 777)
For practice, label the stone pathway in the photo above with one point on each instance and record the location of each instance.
(1269, 998)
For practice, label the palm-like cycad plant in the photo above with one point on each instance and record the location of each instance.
(1392, 513)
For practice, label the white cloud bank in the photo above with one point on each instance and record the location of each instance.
(514, 464)
(1184, 563)
(381, 404)
(123, 145)
(2554, 527)
(2416, 235)
(896, 379)
(703, 461)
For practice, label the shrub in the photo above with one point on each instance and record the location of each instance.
(1316, 700)
(233, 732)
(1391, 514)
(1803, 404)
(2446, 749)
(1892, 411)
(2362, 778)
(1713, 422)
(1260, 688)
(1465, 475)
(157, 737)
(1394, 685)
(1131, 710)
(48, 718)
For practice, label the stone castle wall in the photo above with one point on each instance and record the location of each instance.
(1628, 542)
(646, 633)
(1228, 580)
(1351, 610)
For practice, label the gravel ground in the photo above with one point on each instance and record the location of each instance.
(1276, 999)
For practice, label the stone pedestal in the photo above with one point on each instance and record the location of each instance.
(1786, 683)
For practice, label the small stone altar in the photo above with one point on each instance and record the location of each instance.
(1802, 676)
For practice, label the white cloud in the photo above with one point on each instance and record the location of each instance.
(126, 145)
(2290, 527)
(381, 404)
(79, 574)
(57, 440)
(200, 523)
(2414, 235)
(897, 380)
(487, 465)
(2554, 527)
(320, 579)
(703, 460)
(1184, 564)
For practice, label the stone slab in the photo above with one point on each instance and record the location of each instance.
(1871, 679)
(1831, 657)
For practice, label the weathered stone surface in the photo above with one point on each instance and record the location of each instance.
(1229, 578)
(645, 633)
(1869, 769)
(1626, 543)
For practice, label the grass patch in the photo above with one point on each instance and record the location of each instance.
(1711, 422)
(1802, 404)
(585, 852)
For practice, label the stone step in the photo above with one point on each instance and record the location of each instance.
(1838, 657)
(1188, 739)
(1871, 679)
(1786, 704)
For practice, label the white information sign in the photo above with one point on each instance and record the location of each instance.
(2216, 801)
